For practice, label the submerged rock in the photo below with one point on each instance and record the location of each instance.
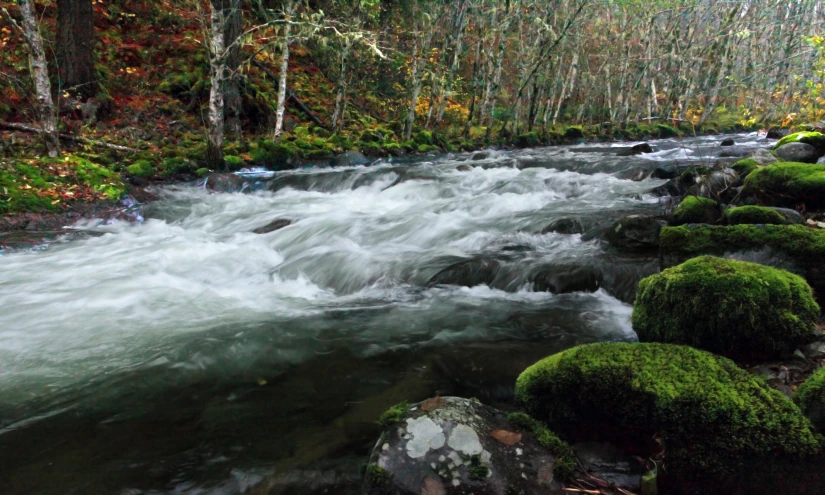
(560, 279)
(635, 232)
(450, 445)
(564, 226)
(273, 226)
(635, 150)
(727, 142)
(225, 183)
(469, 273)
(349, 159)
(798, 152)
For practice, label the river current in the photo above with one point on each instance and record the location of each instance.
(189, 355)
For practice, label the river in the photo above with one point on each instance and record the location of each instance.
(188, 355)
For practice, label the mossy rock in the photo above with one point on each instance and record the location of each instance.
(178, 165)
(574, 132)
(744, 167)
(233, 162)
(696, 210)
(815, 139)
(528, 140)
(664, 131)
(796, 240)
(719, 424)
(811, 398)
(423, 137)
(426, 148)
(740, 310)
(273, 154)
(753, 215)
(788, 184)
(691, 176)
(140, 168)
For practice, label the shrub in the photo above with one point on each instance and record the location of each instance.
(738, 309)
(717, 421)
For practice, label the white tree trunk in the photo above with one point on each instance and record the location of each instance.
(217, 62)
(280, 109)
(40, 74)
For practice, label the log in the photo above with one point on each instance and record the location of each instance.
(292, 96)
(66, 137)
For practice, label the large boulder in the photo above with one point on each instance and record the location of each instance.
(635, 232)
(740, 310)
(763, 157)
(563, 279)
(815, 139)
(449, 445)
(225, 183)
(693, 209)
(718, 184)
(798, 152)
(716, 427)
(788, 184)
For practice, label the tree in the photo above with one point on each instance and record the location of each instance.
(40, 74)
(75, 48)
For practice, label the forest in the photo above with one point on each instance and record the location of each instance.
(412, 247)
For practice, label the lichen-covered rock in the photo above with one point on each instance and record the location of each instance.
(718, 184)
(788, 184)
(753, 215)
(449, 445)
(635, 232)
(740, 310)
(811, 398)
(720, 426)
(696, 210)
(798, 152)
(763, 157)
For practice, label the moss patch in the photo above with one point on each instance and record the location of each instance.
(745, 166)
(715, 419)
(815, 139)
(737, 309)
(394, 414)
(795, 240)
(565, 458)
(696, 210)
(811, 397)
(753, 215)
(788, 184)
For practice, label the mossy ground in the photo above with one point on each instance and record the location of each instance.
(696, 210)
(741, 310)
(788, 184)
(716, 421)
(796, 240)
(753, 215)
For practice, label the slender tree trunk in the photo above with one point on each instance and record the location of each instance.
(40, 74)
(75, 47)
(217, 56)
(233, 104)
(341, 88)
(282, 77)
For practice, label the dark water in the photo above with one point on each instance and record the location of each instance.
(189, 355)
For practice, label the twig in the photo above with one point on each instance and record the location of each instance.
(66, 137)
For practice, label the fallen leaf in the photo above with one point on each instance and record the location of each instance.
(432, 487)
(506, 437)
(432, 404)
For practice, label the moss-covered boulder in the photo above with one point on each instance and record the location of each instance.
(744, 167)
(720, 426)
(788, 184)
(815, 139)
(753, 215)
(811, 398)
(741, 310)
(696, 210)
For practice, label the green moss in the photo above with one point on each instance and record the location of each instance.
(426, 148)
(273, 154)
(202, 172)
(664, 130)
(811, 397)
(753, 215)
(378, 476)
(796, 240)
(574, 132)
(815, 139)
(788, 184)
(737, 309)
(233, 162)
(477, 471)
(716, 420)
(565, 463)
(301, 132)
(696, 210)
(423, 137)
(177, 165)
(745, 166)
(528, 140)
(394, 414)
(140, 168)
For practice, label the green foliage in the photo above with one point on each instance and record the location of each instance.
(273, 154)
(565, 463)
(696, 210)
(664, 130)
(744, 167)
(140, 168)
(426, 148)
(753, 215)
(423, 137)
(788, 184)
(528, 140)
(574, 132)
(394, 414)
(202, 172)
(177, 165)
(811, 397)
(815, 139)
(796, 240)
(233, 162)
(715, 419)
(737, 309)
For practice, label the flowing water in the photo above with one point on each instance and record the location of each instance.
(189, 355)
